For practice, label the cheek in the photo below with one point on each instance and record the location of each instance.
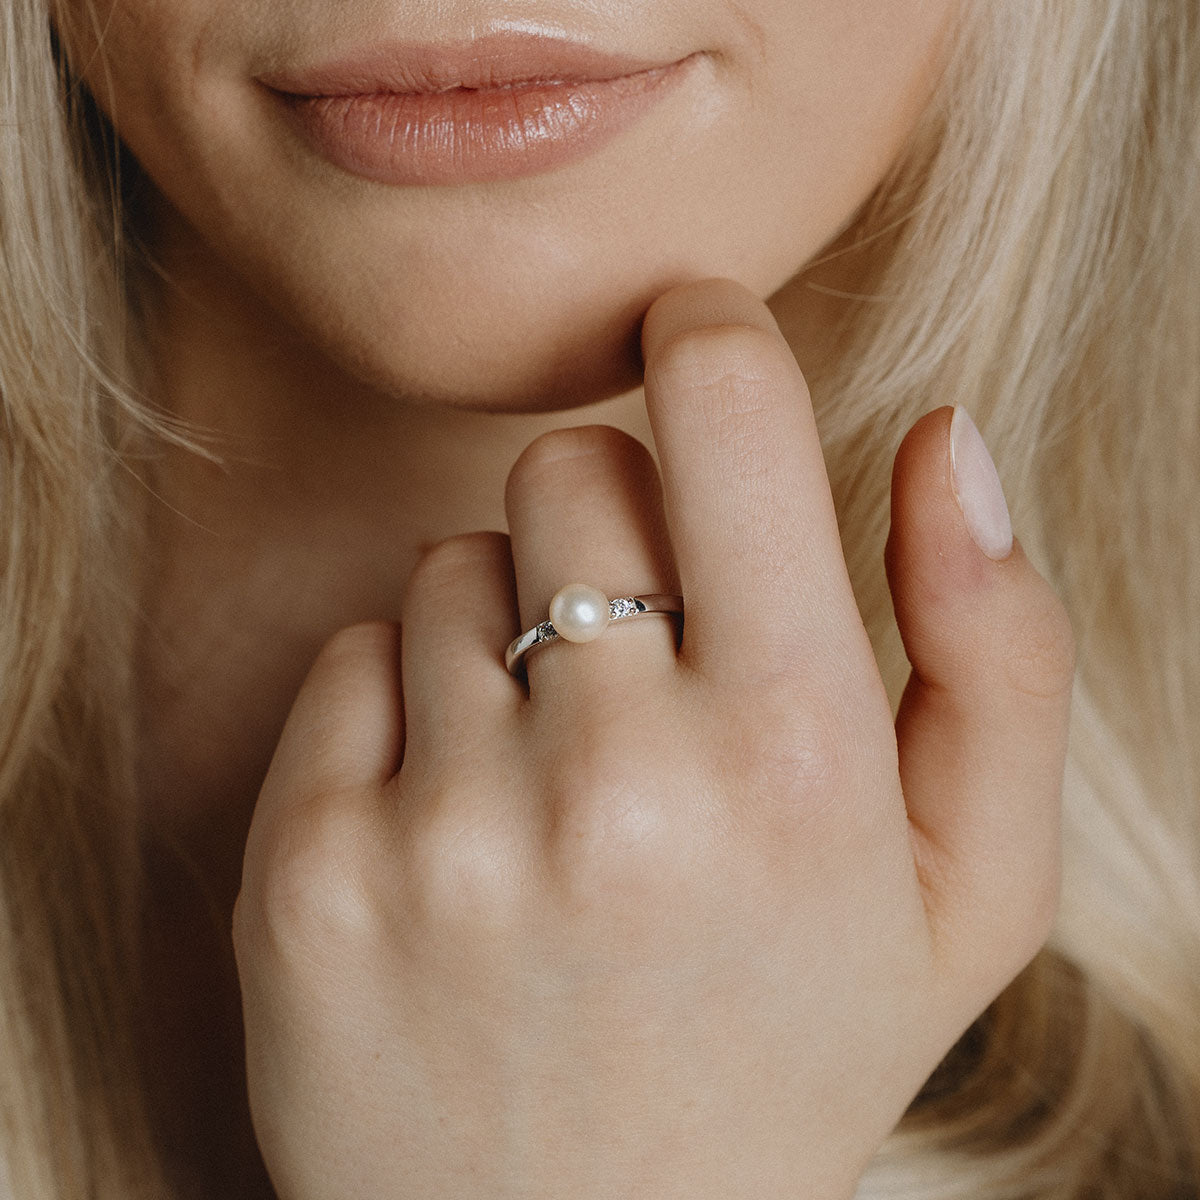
(151, 65)
(845, 83)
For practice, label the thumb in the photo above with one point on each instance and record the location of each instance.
(982, 726)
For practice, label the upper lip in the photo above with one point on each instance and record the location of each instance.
(495, 60)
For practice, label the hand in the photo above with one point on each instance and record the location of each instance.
(684, 919)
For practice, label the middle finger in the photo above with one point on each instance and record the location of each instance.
(748, 501)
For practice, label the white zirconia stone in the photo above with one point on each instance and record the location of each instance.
(579, 612)
(622, 607)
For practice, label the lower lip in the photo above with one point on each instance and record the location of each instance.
(475, 135)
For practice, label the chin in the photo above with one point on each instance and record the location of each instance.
(486, 376)
(516, 353)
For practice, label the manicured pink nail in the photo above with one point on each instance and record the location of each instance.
(977, 488)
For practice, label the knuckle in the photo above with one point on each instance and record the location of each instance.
(723, 365)
(810, 768)
(244, 927)
(1040, 661)
(794, 729)
(1027, 923)
(593, 765)
(1006, 921)
(362, 641)
(717, 293)
(610, 839)
(556, 453)
(463, 870)
(306, 891)
(1043, 903)
(445, 562)
(793, 763)
(796, 751)
(729, 378)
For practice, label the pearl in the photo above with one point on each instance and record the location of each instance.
(579, 612)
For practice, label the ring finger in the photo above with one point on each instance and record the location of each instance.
(584, 505)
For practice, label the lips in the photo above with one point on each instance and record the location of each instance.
(497, 60)
(494, 108)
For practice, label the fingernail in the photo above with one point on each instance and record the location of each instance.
(977, 488)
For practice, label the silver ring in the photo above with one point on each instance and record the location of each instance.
(588, 628)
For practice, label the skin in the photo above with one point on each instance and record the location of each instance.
(343, 338)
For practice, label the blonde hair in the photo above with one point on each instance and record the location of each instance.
(1034, 255)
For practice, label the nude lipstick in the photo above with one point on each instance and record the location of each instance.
(494, 108)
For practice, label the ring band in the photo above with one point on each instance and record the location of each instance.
(621, 609)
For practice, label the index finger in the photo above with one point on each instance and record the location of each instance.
(745, 490)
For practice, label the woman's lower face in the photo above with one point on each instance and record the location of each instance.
(510, 279)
